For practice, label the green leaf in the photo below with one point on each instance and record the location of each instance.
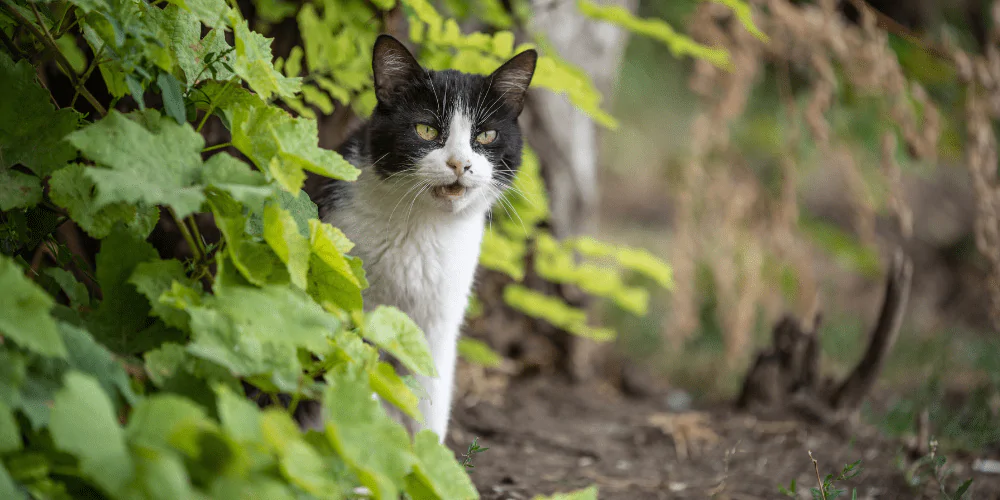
(333, 281)
(253, 64)
(211, 12)
(277, 143)
(173, 98)
(154, 278)
(656, 29)
(476, 351)
(438, 471)
(7, 487)
(262, 313)
(584, 494)
(375, 447)
(743, 13)
(10, 435)
(24, 312)
(18, 189)
(73, 190)
(555, 311)
(235, 177)
(31, 129)
(199, 58)
(254, 260)
(239, 417)
(166, 421)
(83, 423)
(282, 233)
(122, 314)
(91, 358)
(387, 384)
(394, 331)
(75, 291)
(157, 167)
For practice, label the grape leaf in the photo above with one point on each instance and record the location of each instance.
(73, 190)
(253, 64)
(152, 279)
(10, 434)
(7, 488)
(211, 12)
(254, 260)
(87, 356)
(333, 281)
(157, 167)
(24, 312)
(75, 291)
(83, 423)
(199, 58)
(235, 177)
(123, 311)
(282, 233)
(371, 444)
(276, 142)
(394, 331)
(438, 471)
(31, 129)
(390, 387)
(278, 314)
(18, 189)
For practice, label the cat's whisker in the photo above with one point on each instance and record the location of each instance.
(497, 104)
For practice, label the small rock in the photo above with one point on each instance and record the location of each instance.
(622, 465)
(676, 487)
(679, 401)
(585, 461)
(986, 466)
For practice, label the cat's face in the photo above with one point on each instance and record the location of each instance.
(446, 140)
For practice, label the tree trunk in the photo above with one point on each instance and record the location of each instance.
(567, 142)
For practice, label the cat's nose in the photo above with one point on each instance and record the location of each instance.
(459, 165)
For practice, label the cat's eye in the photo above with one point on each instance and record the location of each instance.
(426, 132)
(486, 137)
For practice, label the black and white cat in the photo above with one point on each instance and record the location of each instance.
(438, 151)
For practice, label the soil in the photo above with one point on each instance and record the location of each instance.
(547, 435)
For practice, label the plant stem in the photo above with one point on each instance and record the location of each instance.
(196, 234)
(195, 249)
(50, 44)
(217, 146)
(822, 490)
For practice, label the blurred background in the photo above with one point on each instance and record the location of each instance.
(797, 207)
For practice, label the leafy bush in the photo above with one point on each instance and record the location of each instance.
(124, 377)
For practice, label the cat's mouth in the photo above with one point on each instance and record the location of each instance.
(449, 191)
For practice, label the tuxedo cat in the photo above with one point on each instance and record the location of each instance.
(439, 149)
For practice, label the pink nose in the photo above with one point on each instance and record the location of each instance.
(459, 165)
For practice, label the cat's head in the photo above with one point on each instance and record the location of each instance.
(450, 139)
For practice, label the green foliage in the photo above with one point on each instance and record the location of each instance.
(126, 380)
(589, 493)
(597, 268)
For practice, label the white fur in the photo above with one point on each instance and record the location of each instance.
(420, 252)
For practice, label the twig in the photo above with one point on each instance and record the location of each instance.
(883, 337)
(822, 490)
(50, 44)
(217, 146)
(195, 249)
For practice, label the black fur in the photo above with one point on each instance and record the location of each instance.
(409, 95)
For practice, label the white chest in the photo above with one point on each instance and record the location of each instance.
(425, 267)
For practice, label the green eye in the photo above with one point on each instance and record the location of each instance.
(486, 137)
(426, 132)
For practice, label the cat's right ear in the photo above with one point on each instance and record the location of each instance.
(393, 67)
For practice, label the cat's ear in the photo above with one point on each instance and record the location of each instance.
(393, 66)
(512, 79)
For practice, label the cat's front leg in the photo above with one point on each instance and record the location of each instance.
(436, 405)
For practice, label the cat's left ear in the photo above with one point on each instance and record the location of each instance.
(512, 79)
(393, 67)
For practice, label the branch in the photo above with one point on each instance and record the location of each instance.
(891, 26)
(50, 44)
(897, 293)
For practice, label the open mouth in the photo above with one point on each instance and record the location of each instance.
(449, 191)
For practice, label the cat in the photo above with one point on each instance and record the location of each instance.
(438, 151)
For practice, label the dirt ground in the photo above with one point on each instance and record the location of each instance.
(547, 435)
